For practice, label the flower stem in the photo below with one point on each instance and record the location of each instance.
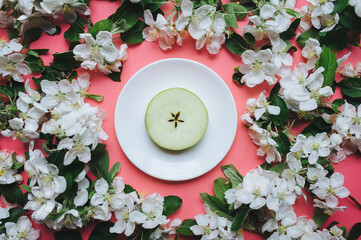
(355, 201)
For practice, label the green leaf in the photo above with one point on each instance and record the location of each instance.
(293, 13)
(350, 20)
(65, 61)
(283, 143)
(15, 213)
(7, 91)
(119, 26)
(278, 168)
(101, 231)
(184, 228)
(328, 60)
(26, 188)
(284, 115)
(41, 51)
(220, 186)
(97, 98)
(237, 77)
(335, 39)
(99, 166)
(128, 11)
(115, 76)
(303, 37)
(30, 36)
(319, 125)
(351, 87)
(215, 205)
(236, 44)
(337, 103)
(171, 204)
(232, 174)
(320, 217)
(355, 232)
(34, 62)
(67, 235)
(291, 31)
(240, 218)
(129, 189)
(237, 10)
(230, 17)
(13, 193)
(152, 5)
(73, 33)
(134, 34)
(13, 33)
(114, 170)
(70, 172)
(274, 91)
(250, 38)
(340, 5)
(102, 25)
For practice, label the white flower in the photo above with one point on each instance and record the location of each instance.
(357, 5)
(159, 29)
(10, 47)
(26, 6)
(350, 72)
(258, 107)
(329, 208)
(312, 52)
(124, 223)
(13, 66)
(214, 37)
(183, 19)
(69, 219)
(331, 188)
(280, 194)
(23, 228)
(114, 196)
(56, 93)
(82, 195)
(151, 212)
(316, 173)
(316, 146)
(268, 147)
(41, 206)
(201, 21)
(257, 67)
(163, 231)
(207, 225)
(96, 52)
(78, 147)
(24, 131)
(4, 213)
(67, 7)
(256, 187)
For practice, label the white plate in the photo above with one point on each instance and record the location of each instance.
(132, 134)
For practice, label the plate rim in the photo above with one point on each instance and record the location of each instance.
(234, 110)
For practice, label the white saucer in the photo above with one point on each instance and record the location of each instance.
(133, 136)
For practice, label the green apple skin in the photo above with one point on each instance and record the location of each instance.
(191, 123)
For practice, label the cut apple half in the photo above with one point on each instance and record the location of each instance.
(176, 119)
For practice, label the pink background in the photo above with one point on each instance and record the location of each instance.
(242, 153)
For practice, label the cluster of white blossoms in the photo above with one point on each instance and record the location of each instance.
(319, 14)
(22, 229)
(12, 60)
(212, 226)
(100, 53)
(278, 193)
(59, 110)
(348, 125)
(349, 71)
(8, 172)
(30, 12)
(303, 89)
(273, 19)
(204, 24)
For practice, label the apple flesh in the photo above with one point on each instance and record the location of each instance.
(176, 119)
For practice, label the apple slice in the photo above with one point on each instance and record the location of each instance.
(176, 119)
